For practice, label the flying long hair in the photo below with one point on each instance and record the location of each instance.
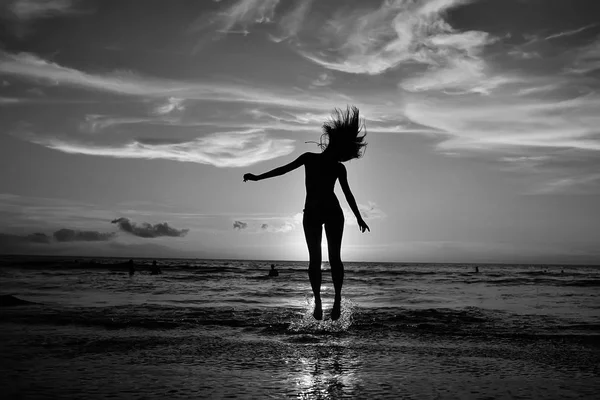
(341, 134)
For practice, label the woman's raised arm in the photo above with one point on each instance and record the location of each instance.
(343, 177)
(298, 162)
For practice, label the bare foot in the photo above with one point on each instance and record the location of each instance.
(336, 310)
(318, 312)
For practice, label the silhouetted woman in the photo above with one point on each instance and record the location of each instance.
(340, 142)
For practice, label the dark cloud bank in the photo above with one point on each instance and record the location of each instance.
(239, 225)
(61, 235)
(70, 235)
(147, 230)
(7, 239)
(24, 243)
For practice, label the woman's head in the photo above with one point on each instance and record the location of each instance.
(341, 134)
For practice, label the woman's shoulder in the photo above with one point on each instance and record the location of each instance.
(308, 156)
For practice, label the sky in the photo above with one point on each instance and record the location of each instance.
(126, 127)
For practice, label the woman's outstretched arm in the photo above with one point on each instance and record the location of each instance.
(298, 162)
(343, 177)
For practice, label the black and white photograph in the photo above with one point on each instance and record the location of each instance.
(303, 199)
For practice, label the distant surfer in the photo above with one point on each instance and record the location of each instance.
(273, 271)
(339, 142)
(476, 269)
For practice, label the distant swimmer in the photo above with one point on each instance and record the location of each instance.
(155, 269)
(273, 271)
(476, 270)
(341, 141)
(131, 268)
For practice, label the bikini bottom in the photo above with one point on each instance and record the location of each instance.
(320, 216)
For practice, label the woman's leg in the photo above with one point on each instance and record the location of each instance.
(334, 229)
(313, 233)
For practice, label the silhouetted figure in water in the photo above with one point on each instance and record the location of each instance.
(273, 271)
(155, 269)
(131, 268)
(476, 270)
(339, 142)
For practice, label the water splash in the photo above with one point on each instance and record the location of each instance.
(308, 323)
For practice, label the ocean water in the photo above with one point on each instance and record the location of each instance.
(223, 329)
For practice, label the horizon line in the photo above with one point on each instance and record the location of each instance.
(302, 261)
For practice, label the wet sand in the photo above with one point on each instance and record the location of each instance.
(47, 362)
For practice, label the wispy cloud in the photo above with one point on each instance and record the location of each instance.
(30, 66)
(36, 69)
(324, 79)
(172, 104)
(256, 224)
(94, 123)
(40, 213)
(587, 59)
(544, 88)
(288, 223)
(374, 41)
(381, 119)
(569, 32)
(247, 12)
(146, 230)
(527, 162)
(289, 117)
(34, 9)
(282, 228)
(238, 18)
(508, 123)
(226, 149)
(414, 34)
(460, 76)
(581, 184)
(369, 212)
(292, 22)
(18, 16)
(11, 100)
(523, 54)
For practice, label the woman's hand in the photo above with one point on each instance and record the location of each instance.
(250, 177)
(362, 225)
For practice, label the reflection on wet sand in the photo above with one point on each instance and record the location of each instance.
(324, 371)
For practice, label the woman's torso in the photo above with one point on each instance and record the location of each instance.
(321, 174)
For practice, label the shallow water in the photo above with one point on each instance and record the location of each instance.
(216, 329)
